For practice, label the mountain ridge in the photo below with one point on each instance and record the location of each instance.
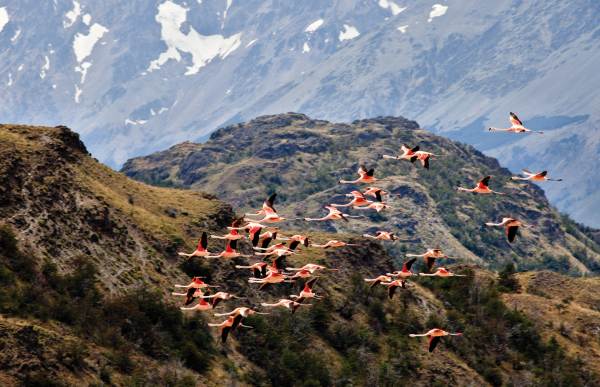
(244, 162)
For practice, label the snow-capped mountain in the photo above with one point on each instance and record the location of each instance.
(137, 76)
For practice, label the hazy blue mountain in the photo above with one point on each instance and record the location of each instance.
(138, 76)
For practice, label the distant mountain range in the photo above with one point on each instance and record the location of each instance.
(136, 77)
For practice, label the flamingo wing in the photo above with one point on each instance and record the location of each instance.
(189, 297)
(265, 243)
(543, 173)
(224, 333)
(408, 264)
(514, 120)
(378, 196)
(311, 282)
(232, 244)
(362, 170)
(433, 342)
(371, 172)
(485, 181)
(215, 301)
(426, 162)
(256, 238)
(270, 202)
(294, 244)
(511, 233)
(429, 261)
(391, 291)
(236, 321)
(203, 243)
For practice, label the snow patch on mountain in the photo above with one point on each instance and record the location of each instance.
(3, 18)
(251, 42)
(83, 69)
(312, 27)
(77, 95)
(203, 48)
(229, 2)
(72, 15)
(437, 10)
(15, 36)
(86, 19)
(305, 47)
(349, 33)
(393, 7)
(45, 67)
(403, 28)
(83, 45)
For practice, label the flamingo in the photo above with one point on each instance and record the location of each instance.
(253, 229)
(377, 206)
(424, 158)
(242, 311)
(511, 226)
(430, 256)
(306, 293)
(267, 207)
(311, 268)
(259, 269)
(200, 249)
(365, 176)
(375, 192)
(539, 176)
(382, 236)
(267, 237)
(197, 283)
(303, 239)
(334, 243)
(377, 280)
(393, 285)
(279, 251)
(481, 187)
(434, 335)
(408, 153)
(201, 305)
(334, 214)
(516, 126)
(357, 201)
(405, 272)
(442, 272)
(227, 326)
(220, 296)
(280, 245)
(233, 232)
(290, 304)
(274, 276)
(302, 273)
(229, 252)
(190, 295)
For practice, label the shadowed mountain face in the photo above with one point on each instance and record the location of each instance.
(158, 73)
(88, 259)
(302, 160)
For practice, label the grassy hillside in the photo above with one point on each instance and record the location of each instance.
(88, 257)
(302, 159)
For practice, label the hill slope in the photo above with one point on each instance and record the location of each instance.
(70, 316)
(302, 159)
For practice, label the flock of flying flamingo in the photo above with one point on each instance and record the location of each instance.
(269, 244)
